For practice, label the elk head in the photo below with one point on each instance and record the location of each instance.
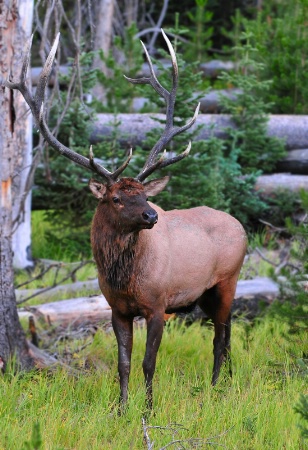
(126, 197)
(128, 209)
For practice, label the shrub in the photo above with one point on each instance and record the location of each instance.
(279, 33)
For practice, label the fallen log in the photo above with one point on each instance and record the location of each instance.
(210, 69)
(295, 162)
(210, 103)
(76, 311)
(269, 184)
(249, 298)
(42, 360)
(133, 128)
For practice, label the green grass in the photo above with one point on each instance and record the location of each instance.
(253, 411)
(44, 246)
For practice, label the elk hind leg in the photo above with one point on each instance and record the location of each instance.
(216, 303)
(227, 349)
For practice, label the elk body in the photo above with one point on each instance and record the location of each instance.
(147, 268)
(152, 261)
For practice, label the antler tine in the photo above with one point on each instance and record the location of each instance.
(162, 162)
(170, 130)
(36, 104)
(117, 172)
(112, 175)
(152, 80)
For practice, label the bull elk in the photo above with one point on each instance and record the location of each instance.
(150, 261)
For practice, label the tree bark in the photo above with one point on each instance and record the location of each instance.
(12, 338)
(22, 257)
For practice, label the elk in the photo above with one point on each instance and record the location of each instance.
(150, 261)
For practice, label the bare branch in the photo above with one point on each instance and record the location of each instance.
(265, 258)
(158, 25)
(56, 282)
(175, 428)
(146, 437)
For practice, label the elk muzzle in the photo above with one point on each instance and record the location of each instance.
(150, 218)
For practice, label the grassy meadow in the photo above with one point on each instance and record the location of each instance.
(76, 408)
(78, 411)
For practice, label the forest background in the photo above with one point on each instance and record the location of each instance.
(266, 47)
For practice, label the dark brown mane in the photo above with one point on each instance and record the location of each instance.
(114, 255)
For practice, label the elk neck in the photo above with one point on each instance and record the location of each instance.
(114, 250)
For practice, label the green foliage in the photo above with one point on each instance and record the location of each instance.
(279, 32)
(293, 307)
(200, 32)
(302, 409)
(119, 92)
(281, 204)
(62, 186)
(249, 112)
(36, 440)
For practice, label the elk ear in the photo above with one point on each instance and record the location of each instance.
(154, 187)
(98, 189)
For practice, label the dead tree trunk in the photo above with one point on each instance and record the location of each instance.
(12, 39)
(102, 40)
(23, 132)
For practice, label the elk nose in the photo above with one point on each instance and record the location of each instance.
(150, 216)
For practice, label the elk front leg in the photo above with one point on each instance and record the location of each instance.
(155, 326)
(123, 329)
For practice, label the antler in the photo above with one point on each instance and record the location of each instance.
(170, 130)
(36, 104)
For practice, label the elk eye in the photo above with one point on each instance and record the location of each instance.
(116, 200)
